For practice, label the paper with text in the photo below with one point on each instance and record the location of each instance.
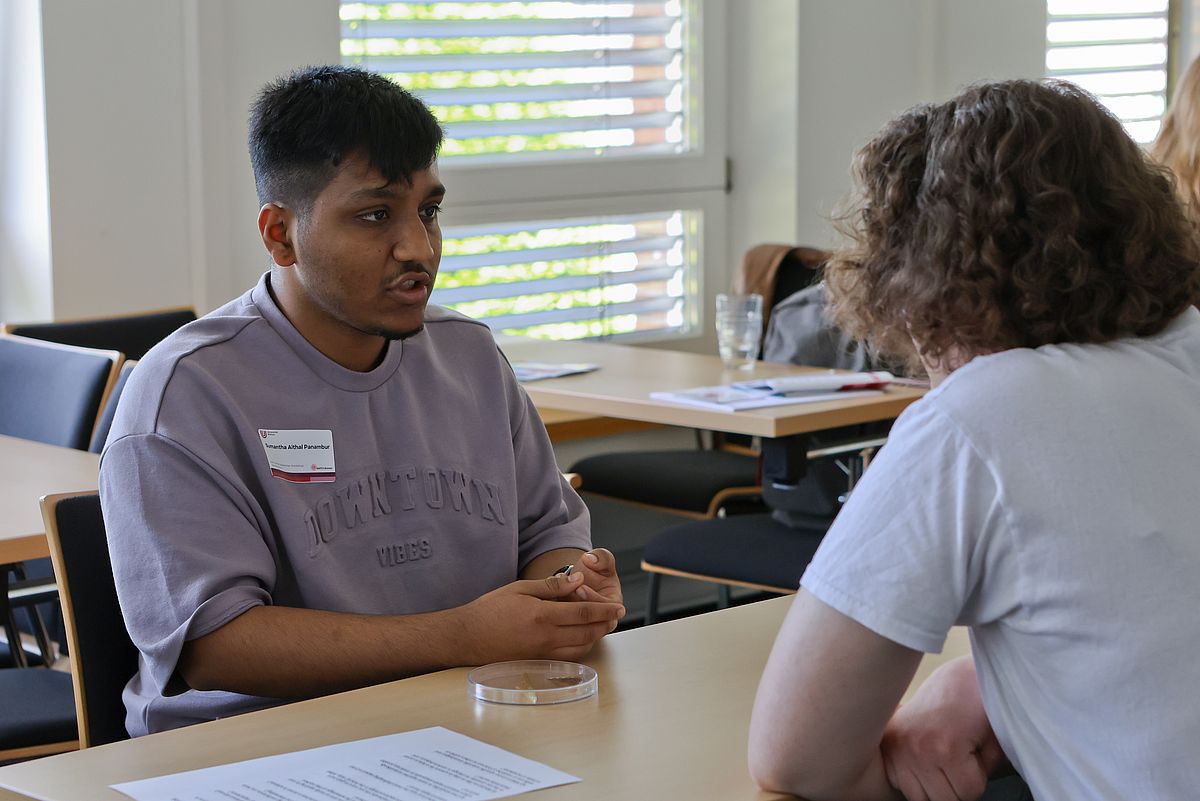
(732, 398)
(433, 764)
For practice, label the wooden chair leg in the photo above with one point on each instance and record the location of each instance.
(652, 587)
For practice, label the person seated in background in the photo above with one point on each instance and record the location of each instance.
(327, 483)
(1178, 143)
(1020, 247)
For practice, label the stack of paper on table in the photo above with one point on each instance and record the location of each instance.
(534, 371)
(782, 391)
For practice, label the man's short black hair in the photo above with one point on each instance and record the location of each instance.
(303, 126)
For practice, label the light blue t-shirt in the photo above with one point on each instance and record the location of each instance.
(1049, 500)
(443, 486)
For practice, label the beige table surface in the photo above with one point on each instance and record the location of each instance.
(29, 470)
(627, 376)
(670, 720)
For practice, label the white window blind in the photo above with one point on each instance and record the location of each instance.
(611, 277)
(1117, 50)
(535, 80)
(527, 92)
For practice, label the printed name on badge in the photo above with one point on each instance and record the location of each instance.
(302, 456)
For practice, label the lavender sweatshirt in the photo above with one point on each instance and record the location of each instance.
(441, 486)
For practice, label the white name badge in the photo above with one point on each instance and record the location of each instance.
(304, 456)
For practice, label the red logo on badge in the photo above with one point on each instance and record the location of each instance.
(314, 467)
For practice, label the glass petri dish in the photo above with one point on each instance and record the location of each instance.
(532, 682)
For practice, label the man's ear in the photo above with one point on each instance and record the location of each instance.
(276, 225)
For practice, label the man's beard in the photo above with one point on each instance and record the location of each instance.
(392, 336)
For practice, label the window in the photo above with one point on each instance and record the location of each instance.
(1117, 50)
(527, 80)
(557, 116)
(570, 278)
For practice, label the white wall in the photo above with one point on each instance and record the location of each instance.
(236, 46)
(765, 116)
(25, 274)
(151, 198)
(864, 61)
(116, 141)
(812, 81)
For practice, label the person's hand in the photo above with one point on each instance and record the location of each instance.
(522, 621)
(940, 746)
(601, 584)
(600, 581)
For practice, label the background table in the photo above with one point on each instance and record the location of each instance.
(627, 376)
(29, 470)
(565, 426)
(670, 720)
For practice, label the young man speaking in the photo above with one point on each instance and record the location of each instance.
(325, 484)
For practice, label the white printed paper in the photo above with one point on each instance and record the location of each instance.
(732, 398)
(433, 764)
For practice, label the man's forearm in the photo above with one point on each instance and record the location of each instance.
(781, 772)
(829, 688)
(545, 564)
(281, 652)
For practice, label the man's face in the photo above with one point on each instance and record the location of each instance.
(367, 252)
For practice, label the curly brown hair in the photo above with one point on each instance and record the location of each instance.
(1018, 214)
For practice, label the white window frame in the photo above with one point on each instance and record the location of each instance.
(616, 184)
(1169, 67)
(709, 248)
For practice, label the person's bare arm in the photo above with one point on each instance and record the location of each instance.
(828, 691)
(940, 745)
(281, 652)
(545, 564)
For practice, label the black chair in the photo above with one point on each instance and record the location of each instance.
(767, 555)
(39, 714)
(765, 551)
(104, 423)
(705, 482)
(131, 334)
(25, 594)
(50, 393)
(103, 658)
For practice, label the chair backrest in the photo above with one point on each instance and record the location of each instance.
(104, 423)
(800, 268)
(103, 658)
(131, 334)
(776, 271)
(53, 393)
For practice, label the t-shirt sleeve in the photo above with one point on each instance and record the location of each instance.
(187, 555)
(907, 554)
(550, 513)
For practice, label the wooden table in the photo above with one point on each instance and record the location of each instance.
(670, 720)
(627, 375)
(29, 470)
(565, 426)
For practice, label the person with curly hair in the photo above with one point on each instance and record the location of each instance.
(1021, 248)
(1178, 143)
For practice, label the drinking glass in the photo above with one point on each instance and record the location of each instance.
(739, 329)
